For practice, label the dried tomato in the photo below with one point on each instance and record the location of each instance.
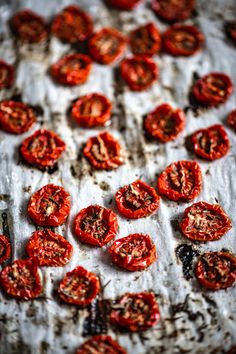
(137, 200)
(21, 279)
(29, 26)
(72, 25)
(42, 149)
(107, 45)
(205, 222)
(230, 28)
(173, 10)
(92, 110)
(164, 123)
(135, 312)
(123, 4)
(7, 75)
(5, 249)
(216, 270)
(79, 287)
(49, 206)
(104, 152)
(211, 143)
(182, 40)
(213, 89)
(72, 69)
(134, 252)
(145, 40)
(139, 72)
(48, 248)
(96, 225)
(180, 181)
(101, 345)
(231, 120)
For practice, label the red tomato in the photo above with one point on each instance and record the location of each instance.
(180, 181)
(107, 45)
(145, 40)
(5, 249)
(72, 25)
(79, 287)
(104, 152)
(72, 69)
(92, 110)
(231, 120)
(96, 225)
(137, 200)
(164, 123)
(136, 312)
(205, 222)
(101, 344)
(216, 270)
(42, 149)
(49, 206)
(123, 4)
(134, 252)
(22, 279)
(16, 117)
(182, 40)
(29, 26)
(211, 143)
(48, 248)
(7, 75)
(173, 10)
(230, 28)
(213, 89)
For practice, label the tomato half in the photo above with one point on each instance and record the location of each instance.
(107, 45)
(96, 225)
(230, 28)
(211, 143)
(182, 40)
(29, 26)
(5, 249)
(72, 25)
(136, 312)
(92, 110)
(231, 120)
(213, 89)
(21, 279)
(145, 40)
(139, 72)
(104, 152)
(134, 252)
(164, 123)
(48, 248)
(173, 10)
(7, 75)
(72, 69)
(42, 149)
(216, 270)
(79, 287)
(181, 181)
(123, 4)
(49, 206)
(101, 345)
(205, 222)
(137, 200)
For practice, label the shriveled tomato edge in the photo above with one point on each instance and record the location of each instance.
(102, 339)
(7, 245)
(231, 119)
(123, 4)
(155, 34)
(11, 75)
(179, 16)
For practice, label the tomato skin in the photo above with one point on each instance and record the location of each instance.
(101, 344)
(7, 75)
(145, 40)
(5, 248)
(210, 270)
(81, 274)
(57, 207)
(231, 119)
(173, 11)
(123, 4)
(230, 28)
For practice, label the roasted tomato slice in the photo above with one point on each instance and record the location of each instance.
(211, 143)
(137, 200)
(72, 25)
(213, 89)
(139, 72)
(49, 206)
(22, 279)
(164, 123)
(96, 225)
(7, 75)
(135, 312)
(173, 10)
(48, 248)
(230, 28)
(42, 149)
(29, 26)
(104, 152)
(92, 110)
(182, 40)
(107, 45)
(205, 222)
(145, 40)
(134, 252)
(72, 69)
(101, 345)
(181, 181)
(123, 4)
(5, 249)
(79, 287)
(216, 270)
(231, 120)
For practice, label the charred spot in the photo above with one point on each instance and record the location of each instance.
(186, 254)
(38, 110)
(96, 321)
